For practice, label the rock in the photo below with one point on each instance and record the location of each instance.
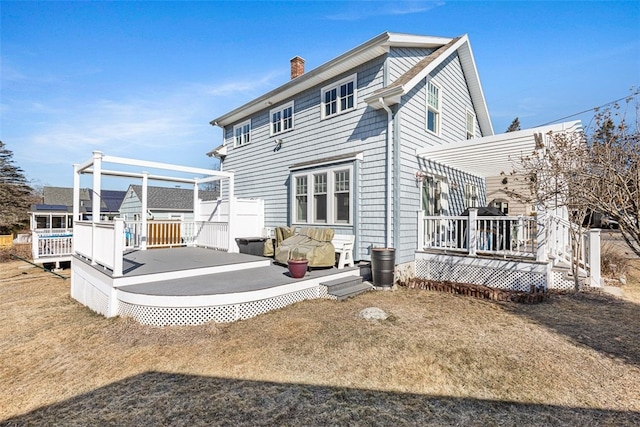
(373, 313)
(623, 279)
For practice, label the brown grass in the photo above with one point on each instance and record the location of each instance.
(440, 359)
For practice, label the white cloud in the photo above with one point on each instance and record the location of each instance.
(356, 12)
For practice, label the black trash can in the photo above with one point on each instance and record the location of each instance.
(383, 262)
(251, 245)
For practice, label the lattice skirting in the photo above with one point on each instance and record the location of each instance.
(560, 282)
(493, 273)
(90, 295)
(165, 316)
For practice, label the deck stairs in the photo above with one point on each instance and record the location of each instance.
(348, 287)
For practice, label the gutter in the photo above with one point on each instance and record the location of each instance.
(389, 197)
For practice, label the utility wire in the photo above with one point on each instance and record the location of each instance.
(591, 109)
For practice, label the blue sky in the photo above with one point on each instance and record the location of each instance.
(143, 79)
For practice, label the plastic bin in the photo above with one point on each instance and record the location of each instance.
(251, 245)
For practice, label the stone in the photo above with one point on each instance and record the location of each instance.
(373, 313)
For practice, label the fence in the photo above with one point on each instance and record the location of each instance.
(51, 245)
(6, 240)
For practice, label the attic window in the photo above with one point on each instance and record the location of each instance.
(471, 124)
(339, 97)
(433, 108)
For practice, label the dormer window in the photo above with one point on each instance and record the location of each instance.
(339, 97)
(282, 119)
(242, 133)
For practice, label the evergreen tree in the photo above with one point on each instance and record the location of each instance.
(514, 126)
(16, 195)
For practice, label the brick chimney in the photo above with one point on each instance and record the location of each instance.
(297, 67)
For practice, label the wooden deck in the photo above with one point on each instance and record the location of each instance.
(194, 285)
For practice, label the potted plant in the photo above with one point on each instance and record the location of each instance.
(298, 265)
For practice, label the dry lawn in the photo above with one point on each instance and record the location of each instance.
(439, 360)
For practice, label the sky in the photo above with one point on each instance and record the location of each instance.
(144, 79)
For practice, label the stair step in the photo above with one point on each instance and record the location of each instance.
(352, 291)
(338, 284)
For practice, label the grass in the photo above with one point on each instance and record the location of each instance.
(440, 359)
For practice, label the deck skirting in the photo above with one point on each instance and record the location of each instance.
(515, 275)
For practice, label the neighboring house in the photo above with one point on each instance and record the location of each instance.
(375, 141)
(55, 211)
(162, 203)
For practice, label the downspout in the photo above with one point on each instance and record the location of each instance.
(389, 197)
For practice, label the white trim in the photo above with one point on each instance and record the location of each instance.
(245, 137)
(330, 195)
(353, 78)
(281, 110)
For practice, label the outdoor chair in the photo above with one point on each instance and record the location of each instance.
(312, 244)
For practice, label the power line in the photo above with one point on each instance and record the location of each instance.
(591, 109)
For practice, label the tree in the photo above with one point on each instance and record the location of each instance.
(597, 171)
(16, 195)
(514, 126)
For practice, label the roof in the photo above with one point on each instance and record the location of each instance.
(491, 155)
(392, 93)
(367, 51)
(41, 207)
(63, 196)
(167, 198)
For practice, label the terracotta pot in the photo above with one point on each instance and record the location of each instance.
(298, 268)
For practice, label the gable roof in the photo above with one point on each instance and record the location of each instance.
(394, 91)
(109, 199)
(167, 198)
(367, 51)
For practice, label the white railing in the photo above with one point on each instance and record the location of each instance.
(214, 235)
(520, 236)
(505, 235)
(55, 244)
(102, 243)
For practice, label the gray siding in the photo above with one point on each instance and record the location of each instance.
(413, 135)
(264, 172)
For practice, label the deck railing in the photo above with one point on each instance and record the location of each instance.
(55, 244)
(104, 243)
(519, 236)
(505, 235)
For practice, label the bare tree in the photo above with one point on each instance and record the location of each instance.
(584, 172)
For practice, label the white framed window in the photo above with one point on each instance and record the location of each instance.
(471, 124)
(242, 133)
(339, 97)
(329, 198)
(470, 195)
(434, 101)
(281, 119)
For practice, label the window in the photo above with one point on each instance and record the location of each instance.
(301, 199)
(281, 119)
(470, 196)
(433, 108)
(328, 200)
(471, 124)
(432, 196)
(502, 205)
(242, 134)
(339, 97)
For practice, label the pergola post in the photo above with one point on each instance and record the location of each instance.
(76, 193)
(231, 217)
(97, 177)
(143, 215)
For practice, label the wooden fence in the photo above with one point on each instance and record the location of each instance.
(6, 240)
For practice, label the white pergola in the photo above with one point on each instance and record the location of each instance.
(95, 167)
(491, 155)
